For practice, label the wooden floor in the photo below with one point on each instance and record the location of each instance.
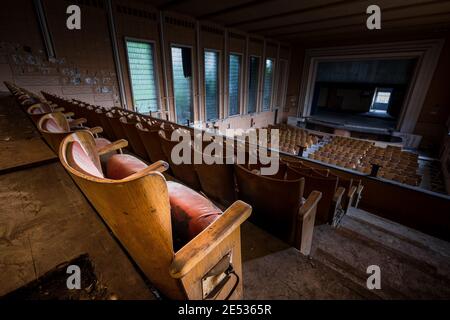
(45, 221)
(20, 143)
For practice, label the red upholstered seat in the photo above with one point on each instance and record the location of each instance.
(191, 212)
(121, 166)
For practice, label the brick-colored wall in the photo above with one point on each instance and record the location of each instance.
(85, 69)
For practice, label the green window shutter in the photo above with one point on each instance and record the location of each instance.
(234, 81)
(182, 87)
(253, 82)
(268, 84)
(142, 76)
(211, 67)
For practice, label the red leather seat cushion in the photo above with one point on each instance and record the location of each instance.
(120, 166)
(191, 212)
(80, 160)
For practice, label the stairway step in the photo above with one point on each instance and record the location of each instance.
(399, 274)
(356, 277)
(402, 232)
(374, 236)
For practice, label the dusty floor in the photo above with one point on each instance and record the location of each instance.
(37, 235)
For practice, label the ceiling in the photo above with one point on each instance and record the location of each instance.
(302, 20)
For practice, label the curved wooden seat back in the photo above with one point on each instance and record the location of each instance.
(93, 117)
(137, 215)
(129, 127)
(151, 142)
(217, 180)
(104, 123)
(184, 172)
(326, 185)
(114, 121)
(137, 210)
(37, 110)
(54, 127)
(275, 202)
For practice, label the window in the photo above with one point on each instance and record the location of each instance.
(253, 82)
(234, 84)
(282, 82)
(268, 85)
(380, 102)
(142, 76)
(182, 83)
(211, 67)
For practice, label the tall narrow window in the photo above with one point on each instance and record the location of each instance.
(282, 82)
(253, 81)
(142, 76)
(182, 83)
(211, 85)
(268, 84)
(234, 84)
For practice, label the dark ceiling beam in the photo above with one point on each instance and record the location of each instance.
(232, 9)
(292, 12)
(360, 25)
(170, 4)
(344, 35)
(289, 25)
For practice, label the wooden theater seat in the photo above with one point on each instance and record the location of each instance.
(54, 127)
(217, 180)
(185, 172)
(330, 207)
(152, 217)
(36, 111)
(150, 138)
(113, 117)
(279, 207)
(129, 127)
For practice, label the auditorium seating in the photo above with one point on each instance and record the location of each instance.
(185, 245)
(278, 206)
(360, 155)
(128, 124)
(54, 127)
(294, 140)
(185, 172)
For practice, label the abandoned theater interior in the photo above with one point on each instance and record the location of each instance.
(224, 150)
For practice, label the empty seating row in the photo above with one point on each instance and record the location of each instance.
(294, 140)
(150, 139)
(184, 244)
(360, 155)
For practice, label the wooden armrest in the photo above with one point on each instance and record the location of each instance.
(351, 192)
(360, 189)
(303, 227)
(310, 204)
(116, 145)
(96, 130)
(159, 166)
(199, 247)
(338, 195)
(77, 122)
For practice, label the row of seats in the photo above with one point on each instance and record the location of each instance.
(360, 155)
(150, 139)
(178, 237)
(294, 140)
(278, 201)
